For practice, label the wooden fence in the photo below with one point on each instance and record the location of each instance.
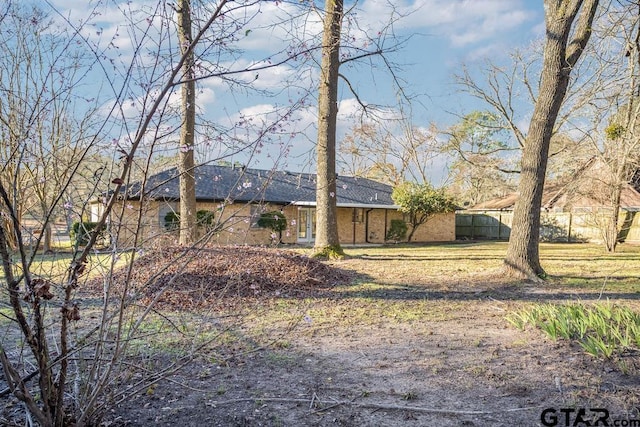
(555, 226)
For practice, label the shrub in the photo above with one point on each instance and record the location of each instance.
(81, 232)
(421, 202)
(551, 231)
(397, 230)
(204, 218)
(172, 221)
(274, 220)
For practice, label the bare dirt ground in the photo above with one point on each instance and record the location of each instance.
(382, 338)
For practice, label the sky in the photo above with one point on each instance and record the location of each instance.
(440, 36)
(464, 32)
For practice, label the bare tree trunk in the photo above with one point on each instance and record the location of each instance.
(326, 213)
(47, 231)
(611, 236)
(560, 55)
(47, 238)
(188, 229)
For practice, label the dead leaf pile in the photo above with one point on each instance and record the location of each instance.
(178, 278)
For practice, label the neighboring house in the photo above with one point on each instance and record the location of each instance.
(238, 196)
(573, 211)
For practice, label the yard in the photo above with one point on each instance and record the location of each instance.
(408, 336)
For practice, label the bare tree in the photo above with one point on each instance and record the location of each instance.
(390, 154)
(484, 163)
(188, 229)
(591, 120)
(510, 93)
(80, 375)
(326, 212)
(336, 54)
(615, 140)
(568, 26)
(47, 144)
(42, 133)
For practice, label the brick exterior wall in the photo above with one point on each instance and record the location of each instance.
(439, 228)
(355, 225)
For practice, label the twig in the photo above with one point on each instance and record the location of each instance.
(377, 406)
(313, 399)
(336, 402)
(604, 284)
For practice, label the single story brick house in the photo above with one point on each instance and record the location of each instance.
(237, 196)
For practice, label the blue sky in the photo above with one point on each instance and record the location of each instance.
(488, 30)
(446, 34)
(443, 34)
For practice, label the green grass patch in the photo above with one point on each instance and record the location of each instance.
(175, 334)
(6, 316)
(54, 266)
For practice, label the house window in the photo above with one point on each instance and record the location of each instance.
(167, 216)
(358, 214)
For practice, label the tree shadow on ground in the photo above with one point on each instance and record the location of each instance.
(490, 287)
(508, 292)
(409, 258)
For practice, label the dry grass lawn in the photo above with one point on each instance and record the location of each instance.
(418, 338)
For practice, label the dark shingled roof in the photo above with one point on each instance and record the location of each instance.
(218, 183)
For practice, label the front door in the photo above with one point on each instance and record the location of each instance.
(306, 225)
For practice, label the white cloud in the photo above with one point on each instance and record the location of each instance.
(539, 30)
(205, 96)
(462, 22)
(465, 28)
(484, 51)
(349, 108)
(264, 77)
(133, 108)
(274, 26)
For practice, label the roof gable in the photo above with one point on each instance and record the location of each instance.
(586, 188)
